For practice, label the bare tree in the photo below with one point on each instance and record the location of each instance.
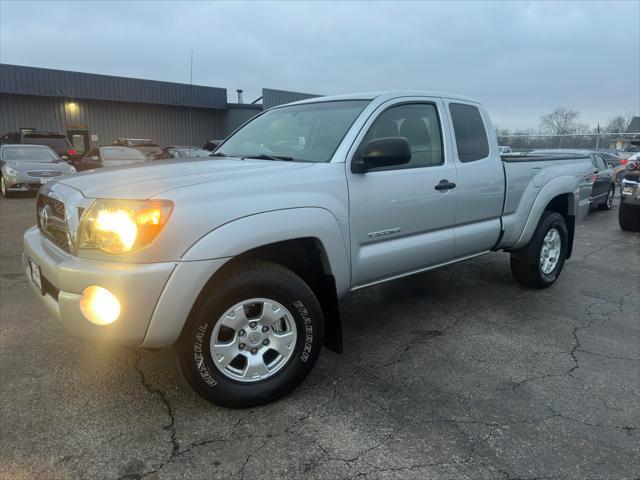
(618, 124)
(561, 121)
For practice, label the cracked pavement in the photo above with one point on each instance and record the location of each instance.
(452, 374)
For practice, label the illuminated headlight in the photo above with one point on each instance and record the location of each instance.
(121, 226)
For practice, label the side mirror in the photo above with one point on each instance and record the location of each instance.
(65, 158)
(382, 152)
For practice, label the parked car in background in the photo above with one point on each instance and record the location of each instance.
(24, 168)
(621, 154)
(239, 261)
(58, 142)
(211, 145)
(617, 162)
(111, 156)
(604, 189)
(183, 152)
(505, 150)
(144, 145)
(629, 212)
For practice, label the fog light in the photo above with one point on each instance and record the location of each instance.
(99, 305)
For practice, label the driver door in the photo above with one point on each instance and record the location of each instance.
(399, 221)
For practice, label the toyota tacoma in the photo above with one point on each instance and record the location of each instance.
(239, 260)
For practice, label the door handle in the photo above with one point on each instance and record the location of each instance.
(445, 185)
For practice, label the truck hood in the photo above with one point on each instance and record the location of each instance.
(146, 180)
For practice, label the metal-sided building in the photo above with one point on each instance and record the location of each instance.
(95, 109)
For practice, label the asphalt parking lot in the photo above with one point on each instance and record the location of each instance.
(452, 374)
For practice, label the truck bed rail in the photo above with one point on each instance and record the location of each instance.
(525, 157)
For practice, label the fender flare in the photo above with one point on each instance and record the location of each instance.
(253, 231)
(564, 185)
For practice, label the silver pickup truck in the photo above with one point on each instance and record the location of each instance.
(239, 260)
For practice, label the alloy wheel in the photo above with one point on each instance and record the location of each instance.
(253, 340)
(550, 252)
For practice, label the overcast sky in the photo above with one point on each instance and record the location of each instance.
(521, 59)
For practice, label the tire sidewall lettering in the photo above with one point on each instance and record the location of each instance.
(199, 356)
(308, 330)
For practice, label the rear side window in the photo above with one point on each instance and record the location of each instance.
(471, 137)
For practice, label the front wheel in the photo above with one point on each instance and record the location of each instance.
(254, 336)
(538, 264)
(3, 188)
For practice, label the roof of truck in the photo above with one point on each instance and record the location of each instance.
(387, 95)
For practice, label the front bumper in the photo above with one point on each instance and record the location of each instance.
(155, 298)
(25, 183)
(64, 277)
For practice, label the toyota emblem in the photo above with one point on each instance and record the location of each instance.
(43, 215)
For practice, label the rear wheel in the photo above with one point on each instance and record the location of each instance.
(629, 217)
(253, 336)
(608, 203)
(538, 264)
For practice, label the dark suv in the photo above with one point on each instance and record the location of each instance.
(58, 142)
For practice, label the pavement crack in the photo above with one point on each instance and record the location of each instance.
(572, 353)
(170, 426)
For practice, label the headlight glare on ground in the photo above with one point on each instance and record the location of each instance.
(119, 226)
(99, 305)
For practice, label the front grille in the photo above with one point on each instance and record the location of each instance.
(51, 211)
(44, 173)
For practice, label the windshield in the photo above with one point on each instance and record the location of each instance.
(53, 142)
(309, 132)
(121, 153)
(30, 154)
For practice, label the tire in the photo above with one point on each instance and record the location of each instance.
(629, 217)
(526, 263)
(253, 289)
(3, 188)
(608, 202)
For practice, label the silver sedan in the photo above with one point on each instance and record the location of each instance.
(26, 167)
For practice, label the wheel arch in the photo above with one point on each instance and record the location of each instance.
(308, 241)
(560, 195)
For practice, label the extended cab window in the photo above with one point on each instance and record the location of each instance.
(419, 124)
(471, 137)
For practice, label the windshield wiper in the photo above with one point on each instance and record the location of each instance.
(263, 156)
(218, 155)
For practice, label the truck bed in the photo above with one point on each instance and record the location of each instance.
(527, 175)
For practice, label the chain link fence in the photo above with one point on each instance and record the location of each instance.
(628, 142)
